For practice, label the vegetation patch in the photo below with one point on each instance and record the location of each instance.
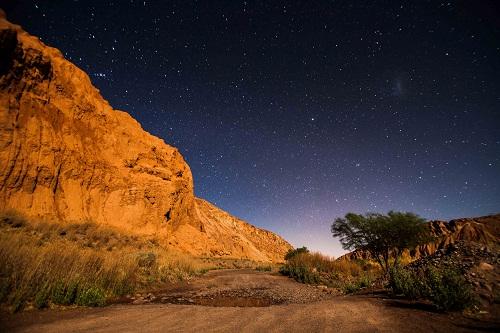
(318, 269)
(91, 296)
(44, 264)
(264, 268)
(446, 288)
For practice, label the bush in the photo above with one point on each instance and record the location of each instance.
(407, 283)
(356, 283)
(18, 302)
(91, 296)
(364, 281)
(350, 288)
(64, 294)
(266, 268)
(449, 290)
(315, 268)
(42, 297)
(294, 252)
(303, 267)
(446, 288)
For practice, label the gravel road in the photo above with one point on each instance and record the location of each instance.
(241, 301)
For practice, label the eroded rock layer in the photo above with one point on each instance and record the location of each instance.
(483, 230)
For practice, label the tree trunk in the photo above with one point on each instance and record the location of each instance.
(386, 259)
(380, 261)
(396, 258)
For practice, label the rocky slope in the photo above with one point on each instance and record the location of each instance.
(221, 234)
(481, 230)
(66, 155)
(479, 264)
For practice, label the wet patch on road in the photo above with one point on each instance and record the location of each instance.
(250, 297)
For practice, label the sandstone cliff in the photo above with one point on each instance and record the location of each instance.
(66, 155)
(483, 230)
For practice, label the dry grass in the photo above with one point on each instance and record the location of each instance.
(32, 273)
(43, 263)
(316, 268)
(236, 263)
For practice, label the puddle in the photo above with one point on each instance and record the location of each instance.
(248, 297)
(223, 301)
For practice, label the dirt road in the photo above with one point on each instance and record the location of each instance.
(241, 301)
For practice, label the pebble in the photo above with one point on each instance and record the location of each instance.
(485, 266)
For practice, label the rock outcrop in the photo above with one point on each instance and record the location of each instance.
(66, 155)
(482, 230)
(479, 264)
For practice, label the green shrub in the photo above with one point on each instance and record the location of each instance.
(309, 276)
(18, 302)
(64, 294)
(91, 296)
(284, 270)
(266, 268)
(42, 297)
(351, 287)
(302, 274)
(406, 283)
(446, 288)
(202, 271)
(294, 252)
(315, 268)
(364, 281)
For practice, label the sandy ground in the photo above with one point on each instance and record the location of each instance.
(243, 301)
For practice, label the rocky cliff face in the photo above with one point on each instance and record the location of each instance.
(66, 155)
(483, 230)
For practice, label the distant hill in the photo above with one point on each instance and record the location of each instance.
(482, 230)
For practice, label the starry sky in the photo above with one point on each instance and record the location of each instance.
(293, 113)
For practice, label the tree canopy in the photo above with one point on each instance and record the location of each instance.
(383, 236)
(293, 252)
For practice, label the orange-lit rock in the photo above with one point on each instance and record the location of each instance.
(66, 155)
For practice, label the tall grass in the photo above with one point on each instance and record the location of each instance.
(54, 271)
(316, 268)
(44, 263)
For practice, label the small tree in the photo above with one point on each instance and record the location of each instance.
(293, 252)
(382, 236)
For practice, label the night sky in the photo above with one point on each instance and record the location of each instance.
(292, 113)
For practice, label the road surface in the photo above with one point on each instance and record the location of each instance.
(242, 301)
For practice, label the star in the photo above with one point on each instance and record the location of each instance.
(289, 122)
